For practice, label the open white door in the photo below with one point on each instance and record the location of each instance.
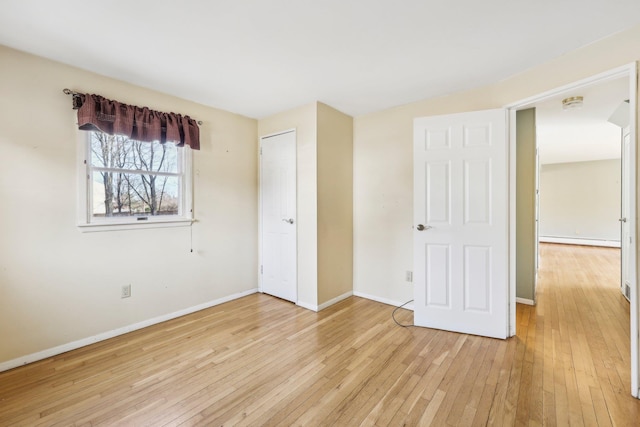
(278, 215)
(626, 218)
(461, 228)
(628, 282)
(536, 264)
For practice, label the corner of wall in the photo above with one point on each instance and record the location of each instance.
(335, 204)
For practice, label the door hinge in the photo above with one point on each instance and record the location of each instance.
(260, 269)
(261, 151)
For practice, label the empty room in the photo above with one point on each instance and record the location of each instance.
(316, 213)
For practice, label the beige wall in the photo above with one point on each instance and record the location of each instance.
(57, 284)
(383, 189)
(335, 203)
(525, 203)
(304, 121)
(324, 191)
(581, 200)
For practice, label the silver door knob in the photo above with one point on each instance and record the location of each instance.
(623, 220)
(289, 220)
(421, 227)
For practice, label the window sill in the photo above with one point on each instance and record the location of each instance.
(135, 225)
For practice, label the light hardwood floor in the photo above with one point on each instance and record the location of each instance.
(262, 361)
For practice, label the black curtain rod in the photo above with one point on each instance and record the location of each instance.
(74, 93)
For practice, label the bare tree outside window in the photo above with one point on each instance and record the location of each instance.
(133, 178)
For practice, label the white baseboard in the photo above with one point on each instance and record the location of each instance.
(324, 305)
(578, 241)
(525, 301)
(308, 306)
(34, 357)
(383, 300)
(334, 300)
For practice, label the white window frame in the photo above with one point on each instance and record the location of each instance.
(87, 223)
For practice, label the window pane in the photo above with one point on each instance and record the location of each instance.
(129, 194)
(111, 151)
(120, 152)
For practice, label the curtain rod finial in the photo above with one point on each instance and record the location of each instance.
(67, 91)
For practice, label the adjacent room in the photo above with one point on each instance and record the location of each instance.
(311, 213)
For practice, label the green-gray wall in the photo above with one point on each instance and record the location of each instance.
(525, 203)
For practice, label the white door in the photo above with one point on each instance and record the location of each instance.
(537, 224)
(278, 215)
(461, 230)
(626, 218)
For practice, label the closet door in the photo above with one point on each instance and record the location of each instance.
(278, 215)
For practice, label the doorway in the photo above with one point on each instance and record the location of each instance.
(568, 228)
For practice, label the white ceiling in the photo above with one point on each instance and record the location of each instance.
(582, 134)
(258, 57)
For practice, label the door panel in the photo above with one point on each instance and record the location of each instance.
(438, 179)
(437, 280)
(278, 215)
(477, 203)
(460, 197)
(477, 278)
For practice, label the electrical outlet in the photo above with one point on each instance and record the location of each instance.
(126, 291)
(409, 276)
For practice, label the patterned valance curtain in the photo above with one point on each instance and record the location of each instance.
(139, 123)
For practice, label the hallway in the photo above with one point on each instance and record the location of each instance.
(577, 356)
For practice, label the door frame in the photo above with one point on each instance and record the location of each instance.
(629, 71)
(260, 225)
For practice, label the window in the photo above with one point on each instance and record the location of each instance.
(132, 183)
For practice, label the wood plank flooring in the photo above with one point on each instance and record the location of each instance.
(262, 361)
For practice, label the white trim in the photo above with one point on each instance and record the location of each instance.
(34, 357)
(282, 132)
(334, 300)
(584, 242)
(511, 150)
(308, 306)
(633, 205)
(525, 301)
(82, 191)
(615, 73)
(187, 184)
(260, 267)
(129, 225)
(136, 172)
(383, 300)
